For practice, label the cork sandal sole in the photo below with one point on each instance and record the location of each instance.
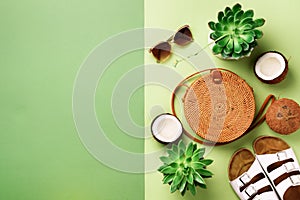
(240, 162)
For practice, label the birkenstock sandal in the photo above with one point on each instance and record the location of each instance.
(247, 178)
(280, 164)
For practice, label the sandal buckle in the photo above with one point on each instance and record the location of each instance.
(295, 180)
(250, 190)
(281, 155)
(289, 167)
(245, 178)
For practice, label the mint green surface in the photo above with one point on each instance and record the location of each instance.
(43, 44)
(280, 33)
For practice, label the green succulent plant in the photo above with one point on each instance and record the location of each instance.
(185, 168)
(236, 32)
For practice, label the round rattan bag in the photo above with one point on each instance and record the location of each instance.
(219, 106)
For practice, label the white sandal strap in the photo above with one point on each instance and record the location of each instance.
(286, 183)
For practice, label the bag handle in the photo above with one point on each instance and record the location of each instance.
(217, 78)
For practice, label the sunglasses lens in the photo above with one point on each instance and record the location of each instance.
(161, 51)
(183, 36)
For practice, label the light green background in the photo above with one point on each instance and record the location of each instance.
(43, 44)
(280, 33)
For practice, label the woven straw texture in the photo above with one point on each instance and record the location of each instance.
(219, 106)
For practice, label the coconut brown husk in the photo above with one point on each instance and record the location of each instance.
(283, 116)
(279, 78)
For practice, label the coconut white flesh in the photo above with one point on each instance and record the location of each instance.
(166, 128)
(270, 66)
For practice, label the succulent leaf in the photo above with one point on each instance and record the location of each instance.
(219, 26)
(248, 20)
(162, 167)
(220, 16)
(177, 179)
(237, 47)
(168, 178)
(174, 164)
(168, 170)
(245, 27)
(229, 13)
(247, 37)
(236, 55)
(198, 178)
(206, 161)
(175, 148)
(224, 54)
(204, 172)
(172, 154)
(259, 22)
(227, 51)
(229, 45)
(224, 19)
(250, 32)
(165, 159)
(192, 188)
(215, 35)
(258, 34)
(248, 13)
(227, 10)
(202, 186)
(189, 150)
(182, 186)
(173, 188)
(198, 165)
(195, 147)
(230, 20)
(238, 15)
(181, 155)
(185, 168)
(236, 7)
(190, 178)
(217, 49)
(211, 25)
(181, 145)
(198, 154)
(223, 42)
(201, 152)
(245, 46)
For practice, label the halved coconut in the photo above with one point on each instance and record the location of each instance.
(166, 128)
(271, 67)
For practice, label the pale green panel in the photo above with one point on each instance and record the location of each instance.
(280, 33)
